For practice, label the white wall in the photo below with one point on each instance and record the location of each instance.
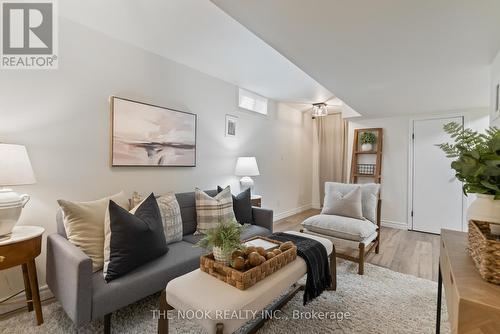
(62, 116)
(495, 80)
(394, 189)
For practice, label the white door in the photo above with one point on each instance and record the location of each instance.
(437, 194)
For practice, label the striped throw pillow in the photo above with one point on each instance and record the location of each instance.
(210, 211)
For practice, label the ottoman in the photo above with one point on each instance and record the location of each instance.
(221, 308)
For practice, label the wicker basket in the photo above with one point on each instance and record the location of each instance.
(245, 279)
(485, 251)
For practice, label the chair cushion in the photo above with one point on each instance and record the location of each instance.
(347, 204)
(340, 227)
(369, 196)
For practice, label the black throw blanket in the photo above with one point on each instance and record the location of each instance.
(318, 269)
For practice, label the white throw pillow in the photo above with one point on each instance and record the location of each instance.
(84, 225)
(347, 205)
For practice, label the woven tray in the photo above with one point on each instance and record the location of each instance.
(485, 251)
(245, 279)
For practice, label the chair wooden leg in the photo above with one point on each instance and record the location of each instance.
(333, 270)
(27, 287)
(361, 259)
(107, 323)
(219, 328)
(163, 316)
(377, 248)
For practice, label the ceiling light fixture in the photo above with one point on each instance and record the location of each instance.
(319, 110)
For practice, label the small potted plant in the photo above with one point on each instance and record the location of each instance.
(223, 239)
(477, 165)
(367, 140)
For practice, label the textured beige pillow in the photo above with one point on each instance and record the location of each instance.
(84, 225)
(347, 205)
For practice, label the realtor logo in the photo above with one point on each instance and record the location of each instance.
(29, 39)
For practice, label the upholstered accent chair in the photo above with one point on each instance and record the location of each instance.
(364, 230)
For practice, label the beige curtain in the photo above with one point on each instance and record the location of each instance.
(332, 133)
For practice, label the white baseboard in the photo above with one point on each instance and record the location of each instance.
(393, 224)
(292, 212)
(19, 301)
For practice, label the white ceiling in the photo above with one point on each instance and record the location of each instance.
(384, 57)
(198, 34)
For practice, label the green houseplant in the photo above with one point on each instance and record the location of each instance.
(223, 239)
(367, 140)
(477, 164)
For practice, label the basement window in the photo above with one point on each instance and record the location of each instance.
(251, 101)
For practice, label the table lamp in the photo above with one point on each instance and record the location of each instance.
(15, 170)
(246, 167)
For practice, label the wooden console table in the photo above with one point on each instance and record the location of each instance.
(21, 249)
(473, 304)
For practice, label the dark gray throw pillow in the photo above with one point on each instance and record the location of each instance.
(242, 206)
(136, 238)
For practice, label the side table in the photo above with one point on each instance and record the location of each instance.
(256, 200)
(21, 249)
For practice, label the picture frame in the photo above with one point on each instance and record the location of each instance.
(231, 125)
(147, 135)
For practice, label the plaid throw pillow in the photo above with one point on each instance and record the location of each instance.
(210, 211)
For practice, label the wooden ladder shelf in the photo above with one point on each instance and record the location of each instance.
(368, 169)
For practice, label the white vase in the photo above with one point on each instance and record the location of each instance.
(366, 147)
(220, 256)
(485, 209)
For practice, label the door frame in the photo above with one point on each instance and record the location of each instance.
(466, 123)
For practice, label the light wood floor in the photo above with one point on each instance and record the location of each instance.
(408, 252)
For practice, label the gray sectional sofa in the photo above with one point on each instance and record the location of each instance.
(85, 295)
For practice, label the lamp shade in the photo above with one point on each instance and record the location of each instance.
(15, 166)
(246, 166)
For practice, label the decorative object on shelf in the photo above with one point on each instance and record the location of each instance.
(223, 239)
(231, 124)
(319, 110)
(484, 248)
(367, 140)
(366, 161)
(258, 263)
(148, 135)
(477, 165)
(15, 170)
(246, 167)
(366, 169)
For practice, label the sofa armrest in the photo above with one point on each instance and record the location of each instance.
(263, 217)
(69, 277)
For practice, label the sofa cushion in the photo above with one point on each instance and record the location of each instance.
(136, 237)
(340, 227)
(249, 232)
(210, 211)
(170, 214)
(143, 281)
(84, 225)
(188, 210)
(343, 203)
(242, 206)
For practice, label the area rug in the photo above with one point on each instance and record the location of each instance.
(381, 301)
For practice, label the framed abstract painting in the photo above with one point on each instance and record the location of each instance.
(147, 135)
